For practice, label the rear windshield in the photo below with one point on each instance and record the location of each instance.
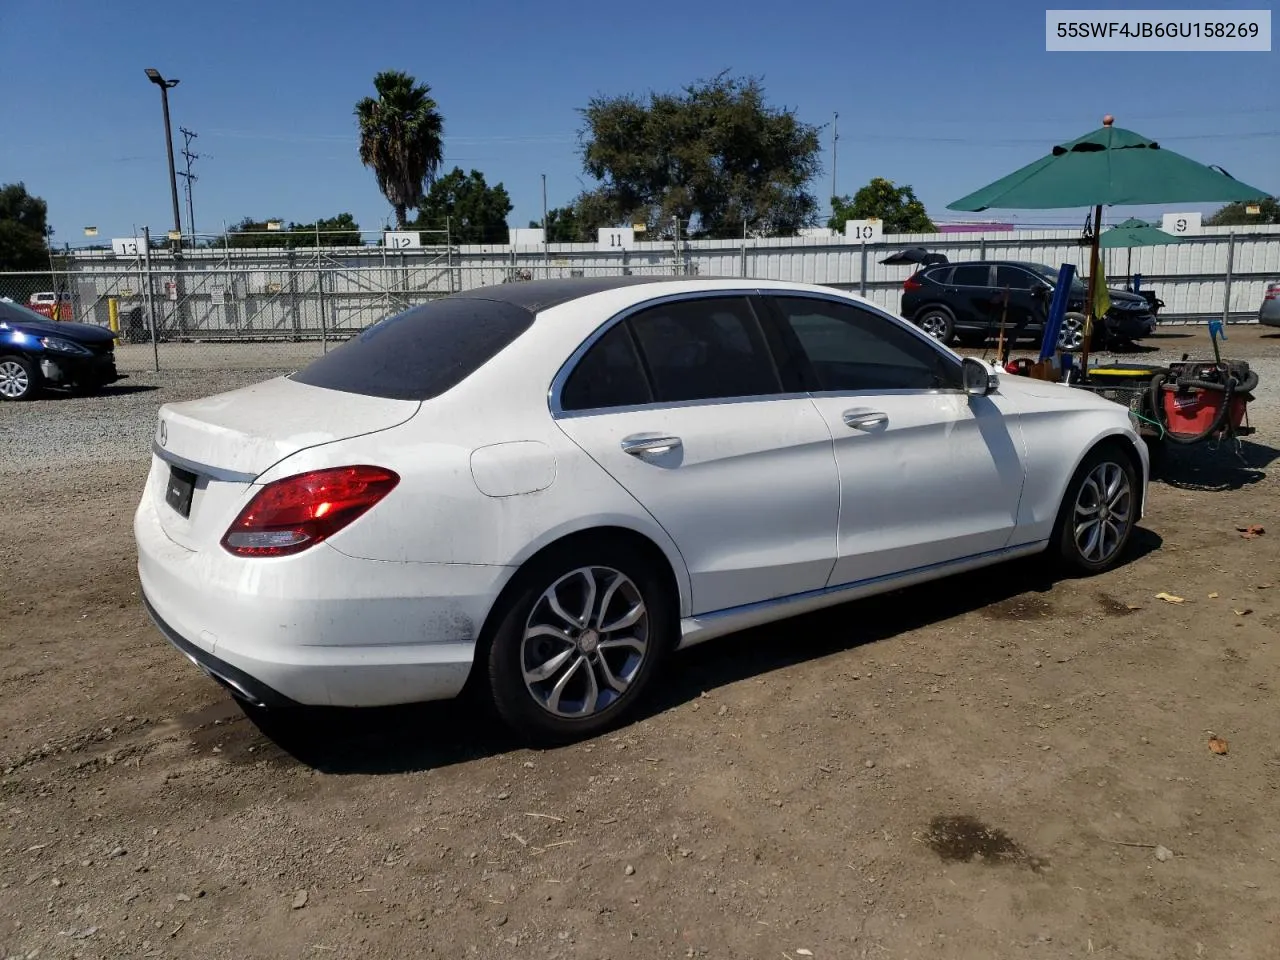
(421, 353)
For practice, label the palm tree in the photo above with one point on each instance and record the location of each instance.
(401, 138)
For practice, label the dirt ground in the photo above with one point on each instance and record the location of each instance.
(999, 765)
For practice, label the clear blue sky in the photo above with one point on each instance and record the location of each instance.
(940, 95)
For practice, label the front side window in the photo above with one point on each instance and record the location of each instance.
(708, 348)
(850, 348)
(1015, 278)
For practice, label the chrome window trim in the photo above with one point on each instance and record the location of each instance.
(835, 296)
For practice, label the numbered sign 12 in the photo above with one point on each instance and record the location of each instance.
(128, 246)
(864, 231)
(616, 238)
(1181, 224)
(402, 240)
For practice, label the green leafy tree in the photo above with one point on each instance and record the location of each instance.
(713, 155)
(339, 231)
(24, 230)
(897, 207)
(1237, 214)
(579, 221)
(401, 139)
(474, 211)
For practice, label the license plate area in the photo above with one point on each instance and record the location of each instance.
(181, 488)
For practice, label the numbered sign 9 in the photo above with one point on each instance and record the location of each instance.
(864, 231)
(1182, 224)
(402, 240)
(615, 238)
(128, 246)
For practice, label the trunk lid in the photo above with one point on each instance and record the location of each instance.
(217, 446)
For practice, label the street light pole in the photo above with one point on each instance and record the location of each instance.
(154, 76)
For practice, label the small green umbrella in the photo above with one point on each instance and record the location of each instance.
(1135, 233)
(1107, 167)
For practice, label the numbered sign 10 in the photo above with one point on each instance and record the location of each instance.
(616, 238)
(1181, 224)
(128, 246)
(402, 240)
(864, 231)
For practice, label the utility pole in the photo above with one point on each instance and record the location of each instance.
(189, 177)
(165, 86)
(835, 141)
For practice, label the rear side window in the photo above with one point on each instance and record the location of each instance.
(421, 353)
(977, 275)
(707, 348)
(939, 274)
(608, 375)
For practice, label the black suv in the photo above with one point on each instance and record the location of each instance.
(965, 301)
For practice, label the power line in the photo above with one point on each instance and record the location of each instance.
(188, 176)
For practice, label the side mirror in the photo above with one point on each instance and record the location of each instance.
(977, 378)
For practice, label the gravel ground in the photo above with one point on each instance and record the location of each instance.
(999, 765)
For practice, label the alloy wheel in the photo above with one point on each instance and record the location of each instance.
(934, 324)
(584, 642)
(14, 382)
(1102, 511)
(1071, 333)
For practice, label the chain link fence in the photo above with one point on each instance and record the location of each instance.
(254, 316)
(271, 309)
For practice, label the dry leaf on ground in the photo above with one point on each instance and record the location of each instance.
(1214, 595)
(1169, 598)
(1251, 532)
(1218, 745)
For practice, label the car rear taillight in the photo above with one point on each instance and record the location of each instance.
(912, 283)
(1273, 292)
(292, 514)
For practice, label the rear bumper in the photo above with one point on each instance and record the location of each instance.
(319, 628)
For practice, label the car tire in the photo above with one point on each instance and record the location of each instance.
(19, 378)
(938, 322)
(555, 677)
(1098, 512)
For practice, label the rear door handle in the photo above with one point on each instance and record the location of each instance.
(639, 446)
(862, 418)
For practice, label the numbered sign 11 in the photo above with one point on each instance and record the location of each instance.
(864, 231)
(128, 246)
(616, 238)
(402, 240)
(1181, 224)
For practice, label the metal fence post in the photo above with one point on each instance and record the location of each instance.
(151, 299)
(862, 276)
(324, 333)
(1231, 256)
(982, 248)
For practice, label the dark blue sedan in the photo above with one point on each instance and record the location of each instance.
(36, 352)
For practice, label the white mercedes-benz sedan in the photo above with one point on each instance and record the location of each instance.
(547, 487)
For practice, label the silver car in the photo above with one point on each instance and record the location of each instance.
(1269, 312)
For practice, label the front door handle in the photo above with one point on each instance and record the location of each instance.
(861, 418)
(639, 446)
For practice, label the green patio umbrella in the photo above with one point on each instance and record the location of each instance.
(1134, 233)
(1107, 167)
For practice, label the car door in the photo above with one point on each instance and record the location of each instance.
(928, 474)
(681, 402)
(970, 293)
(1027, 297)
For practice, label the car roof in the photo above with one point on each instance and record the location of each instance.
(538, 295)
